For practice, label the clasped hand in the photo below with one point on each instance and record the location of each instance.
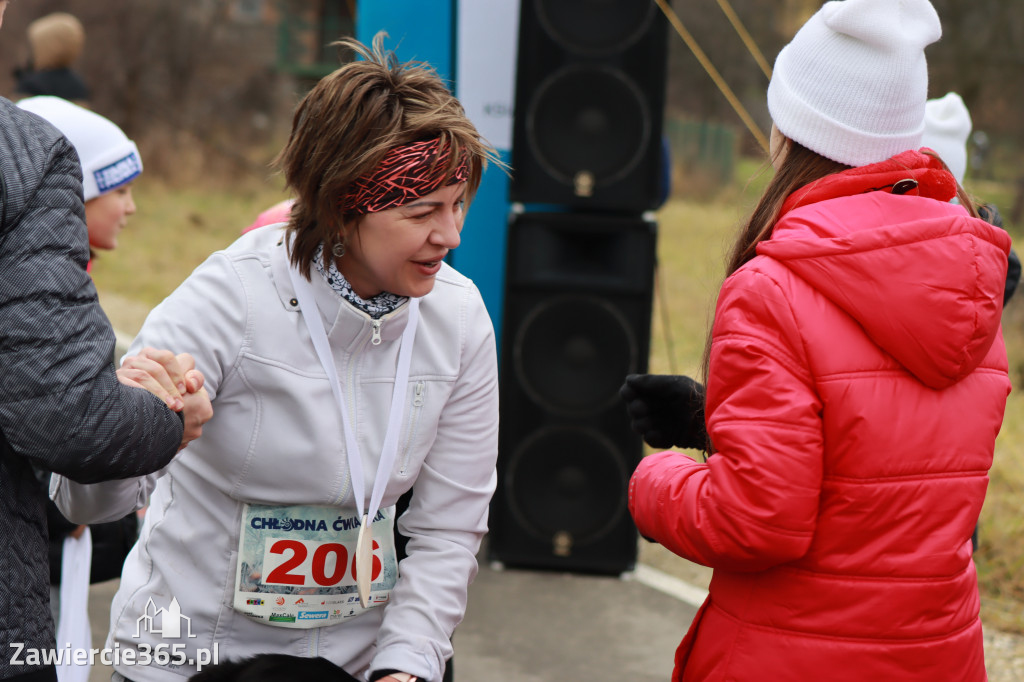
(666, 410)
(175, 380)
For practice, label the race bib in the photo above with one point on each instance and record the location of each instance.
(297, 565)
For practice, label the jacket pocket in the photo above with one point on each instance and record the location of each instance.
(418, 396)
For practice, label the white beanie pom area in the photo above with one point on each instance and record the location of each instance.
(853, 82)
(947, 125)
(886, 24)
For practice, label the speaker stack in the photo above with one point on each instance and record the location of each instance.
(587, 165)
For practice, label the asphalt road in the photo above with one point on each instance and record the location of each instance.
(537, 626)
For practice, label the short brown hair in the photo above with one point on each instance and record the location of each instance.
(349, 121)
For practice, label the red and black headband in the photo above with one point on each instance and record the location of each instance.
(406, 173)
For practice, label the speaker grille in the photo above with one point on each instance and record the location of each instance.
(571, 355)
(567, 485)
(577, 318)
(590, 94)
(586, 119)
(594, 26)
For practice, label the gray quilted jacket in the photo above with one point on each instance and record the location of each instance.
(61, 406)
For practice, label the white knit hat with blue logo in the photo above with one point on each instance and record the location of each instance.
(947, 125)
(853, 82)
(109, 159)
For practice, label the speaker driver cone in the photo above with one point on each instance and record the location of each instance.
(567, 482)
(588, 119)
(595, 26)
(572, 354)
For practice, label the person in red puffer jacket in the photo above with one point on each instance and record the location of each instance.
(856, 381)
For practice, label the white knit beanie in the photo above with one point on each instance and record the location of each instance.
(947, 124)
(852, 83)
(109, 159)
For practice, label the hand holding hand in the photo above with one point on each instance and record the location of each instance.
(157, 371)
(173, 379)
(198, 410)
(666, 410)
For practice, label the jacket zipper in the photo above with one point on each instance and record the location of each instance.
(375, 339)
(417, 402)
(350, 399)
(378, 323)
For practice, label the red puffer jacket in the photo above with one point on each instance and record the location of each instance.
(857, 383)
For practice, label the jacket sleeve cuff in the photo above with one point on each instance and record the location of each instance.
(402, 677)
(644, 491)
(394, 659)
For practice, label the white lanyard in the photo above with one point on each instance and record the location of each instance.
(310, 313)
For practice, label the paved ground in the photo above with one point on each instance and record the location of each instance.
(525, 626)
(531, 626)
(528, 626)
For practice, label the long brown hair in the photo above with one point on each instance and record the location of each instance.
(349, 121)
(800, 167)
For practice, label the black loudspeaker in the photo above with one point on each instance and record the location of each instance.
(590, 94)
(577, 318)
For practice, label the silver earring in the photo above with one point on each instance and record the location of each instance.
(338, 250)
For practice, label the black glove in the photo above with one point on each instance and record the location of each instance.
(990, 214)
(666, 410)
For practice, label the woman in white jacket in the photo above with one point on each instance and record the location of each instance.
(346, 361)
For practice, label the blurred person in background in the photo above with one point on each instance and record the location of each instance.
(347, 363)
(55, 43)
(947, 128)
(856, 381)
(62, 406)
(110, 163)
(278, 213)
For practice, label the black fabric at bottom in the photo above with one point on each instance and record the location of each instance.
(41, 675)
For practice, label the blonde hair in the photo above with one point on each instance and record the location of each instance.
(56, 41)
(349, 121)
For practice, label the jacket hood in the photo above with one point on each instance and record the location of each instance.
(922, 277)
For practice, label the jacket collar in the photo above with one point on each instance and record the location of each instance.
(346, 325)
(933, 181)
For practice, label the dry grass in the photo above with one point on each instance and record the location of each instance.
(1000, 556)
(174, 230)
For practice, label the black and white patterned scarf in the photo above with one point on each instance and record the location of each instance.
(377, 307)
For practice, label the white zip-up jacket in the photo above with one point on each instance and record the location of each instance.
(276, 438)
